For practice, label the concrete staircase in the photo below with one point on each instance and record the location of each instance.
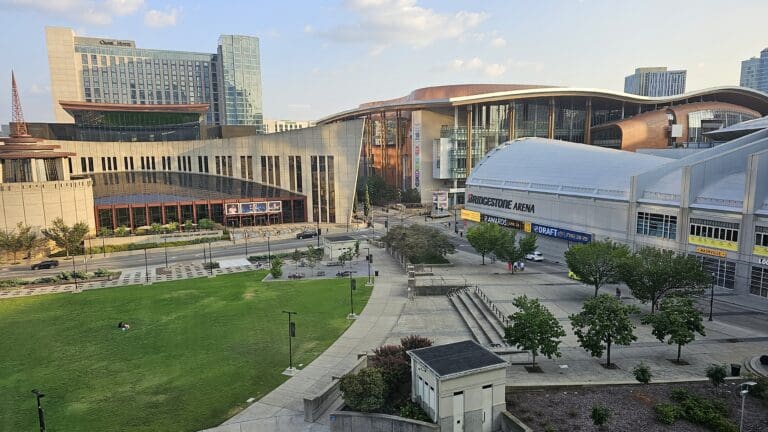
(485, 326)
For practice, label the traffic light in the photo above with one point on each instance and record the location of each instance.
(386, 224)
(319, 231)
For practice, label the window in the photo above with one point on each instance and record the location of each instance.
(761, 236)
(249, 162)
(758, 283)
(723, 271)
(657, 225)
(90, 164)
(69, 162)
(277, 170)
(298, 174)
(242, 167)
(229, 165)
(218, 165)
(264, 169)
(291, 173)
(726, 231)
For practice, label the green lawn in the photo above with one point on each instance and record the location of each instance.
(196, 350)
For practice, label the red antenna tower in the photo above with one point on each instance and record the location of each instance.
(19, 126)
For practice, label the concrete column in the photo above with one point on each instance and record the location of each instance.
(588, 122)
(469, 140)
(551, 119)
(511, 119)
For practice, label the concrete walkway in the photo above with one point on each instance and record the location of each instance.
(283, 408)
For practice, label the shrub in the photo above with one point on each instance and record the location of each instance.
(666, 413)
(277, 268)
(205, 223)
(121, 231)
(100, 272)
(698, 410)
(46, 280)
(716, 374)
(9, 283)
(680, 395)
(156, 228)
(363, 391)
(642, 373)
(600, 415)
(390, 361)
(760, 389)
(208, 265)
(413, 411)
(414, 342)
(550, 428)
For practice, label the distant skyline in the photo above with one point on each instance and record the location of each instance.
(320, 58)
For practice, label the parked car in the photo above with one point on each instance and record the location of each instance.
(45, 265)
(344, 273)
(306, 234)
(536, 256)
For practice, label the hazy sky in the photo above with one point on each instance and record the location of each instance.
(323, 57)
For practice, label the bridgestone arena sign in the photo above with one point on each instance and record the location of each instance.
(501, 203)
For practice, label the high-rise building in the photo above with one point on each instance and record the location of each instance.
(749, 69)
(655, 81)
(272, 126)
(111, 71)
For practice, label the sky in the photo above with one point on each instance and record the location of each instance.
(322, 57)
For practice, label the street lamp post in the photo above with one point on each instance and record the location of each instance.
(352, 287)
(146, 266)
(74, 271)
(291, 334)
(210, 259)
(40, 413)
(269, 248)
(246, 244)
(103, 248)
(745, 386)
(165, 249)
(369, 258)
(711, 296)
(455, 223)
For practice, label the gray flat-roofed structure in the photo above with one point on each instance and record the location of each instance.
(712, 204)
(457, 358)
(739, 130)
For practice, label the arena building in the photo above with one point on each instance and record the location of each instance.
(433, 138)
(712, 204)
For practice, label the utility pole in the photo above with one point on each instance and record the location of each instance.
(291, 334)
(369, 258)
(352, 287)
(165, 249)
(246, 244)
(269, 248)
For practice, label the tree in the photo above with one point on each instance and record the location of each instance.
(380, 192)
(652, 274)
(121, 231)
(205, 223)
(345, 256)
(419, 243)
(366, 202)
(534, 328)
(679, 320)
(411, 195)
(413, 342)
(314, 255)
(716, 374)
(604, 321)
(188, 225)
(296, 257)
(66, 237)
(364, 391)
(507, 251)
(19, 239)
(357, 247)
(393, 363)
(597, 263)
(485, 238)
(155, 228)
(276, 269)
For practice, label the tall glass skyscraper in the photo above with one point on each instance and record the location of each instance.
(240, 71)
(100, 70)
(754, 72)
(655, 81)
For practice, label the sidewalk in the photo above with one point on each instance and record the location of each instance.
(283, 408)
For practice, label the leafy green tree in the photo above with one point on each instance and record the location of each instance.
(314, 255)
(367, 202)
(364, 391)
(66, 237)
(296, 257)
(19, 239)
(345, 256)
(652, 274)
(354, 205)
(419, 243)
(507, 251)
(597, 263)
(534, 328)
(604, 321)
(393, 363)
(380, 192)
(411, 195)
(188, 225)
(156, 228)
(716, 374)
(276, 269)
(485, 238)
(357, 247)
(679, 320)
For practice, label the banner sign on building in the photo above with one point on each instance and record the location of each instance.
(470, 215)
(711, 252)
(760, 250)
(509, 223)
(416, 144)
(501, 203)
(254, 208)
(440, 200)
(563, 234)
(715, 243)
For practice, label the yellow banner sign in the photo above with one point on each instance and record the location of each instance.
(715, 243)
(527, 227)
(470, 215)
(708, 251)
(760, 250)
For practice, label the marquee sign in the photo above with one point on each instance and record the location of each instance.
(563, 234)
(509, 223)
(254, 208)
(501, 203)
(710, 252)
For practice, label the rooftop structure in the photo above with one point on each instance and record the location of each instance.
(457, 358)
(656, 82)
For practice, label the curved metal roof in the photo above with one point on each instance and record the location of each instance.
(738, 95)
(70, 106)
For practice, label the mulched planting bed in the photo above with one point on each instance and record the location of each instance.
(569, 409)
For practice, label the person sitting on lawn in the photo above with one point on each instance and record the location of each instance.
(123, 326)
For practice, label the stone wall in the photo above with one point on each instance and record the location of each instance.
(38, 204)
(349, 421)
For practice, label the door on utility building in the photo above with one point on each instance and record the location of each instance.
(487, 408)
(458, 412)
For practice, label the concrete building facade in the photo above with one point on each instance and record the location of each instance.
(655, 82)
(712, 204)
(272, 126)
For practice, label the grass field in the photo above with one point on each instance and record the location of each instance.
(196, 350)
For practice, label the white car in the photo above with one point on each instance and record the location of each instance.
(536, 256)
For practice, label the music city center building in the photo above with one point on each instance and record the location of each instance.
(712, 204)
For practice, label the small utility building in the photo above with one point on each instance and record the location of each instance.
(460, 386)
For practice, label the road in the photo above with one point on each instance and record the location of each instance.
(156, 257)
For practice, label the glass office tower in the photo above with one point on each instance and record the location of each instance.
(240, 70)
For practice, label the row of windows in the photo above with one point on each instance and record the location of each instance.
(657, 225)
(270, 170)
(323, 190)
(246, 167)
(109, 163)
(723, 271)
(294, 172)
(223, 165)
(758, 283)
(727, 231)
